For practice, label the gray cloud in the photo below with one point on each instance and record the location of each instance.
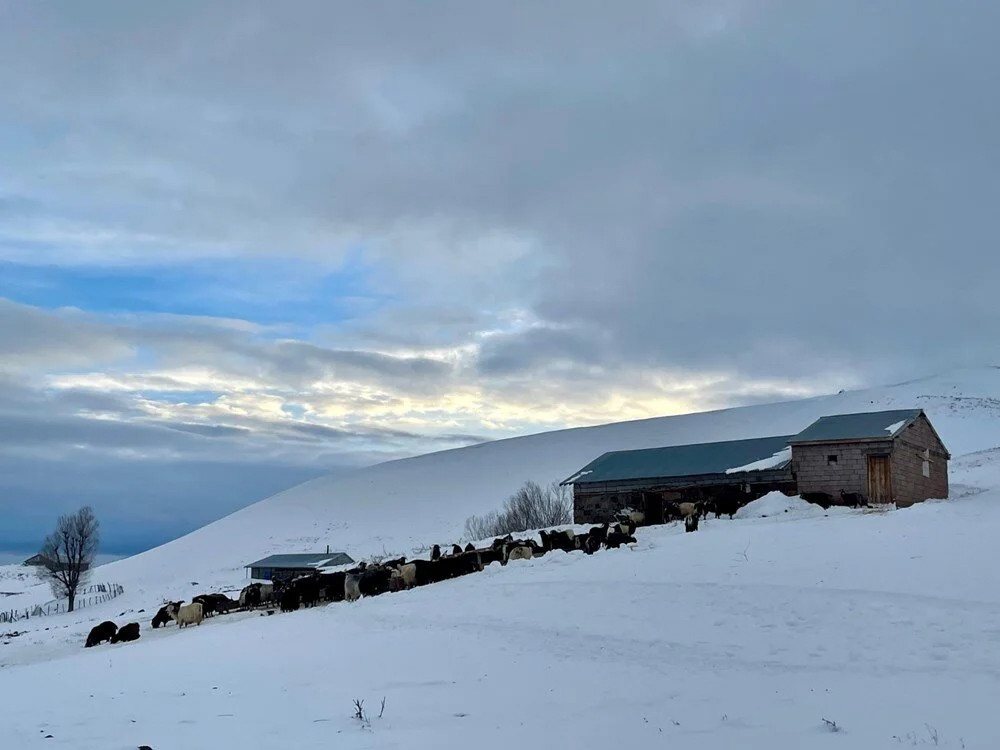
(694, 185)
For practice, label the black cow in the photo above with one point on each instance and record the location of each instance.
(436, 552)
(822, 499)
(126, 633)
(616, 540)
(853, 499)
(725, 504)
(101, 633)
(588, 542)
(289, 601)
(307, 589)
(250, 597)
(564, 540)
(426, 572)
(375, 580)
(456, 549)
(499, 542)
(627, 527)
(470, 547)
(331, 586)
(161, 617)
(214, 603)
(691, 522)
(491, 555)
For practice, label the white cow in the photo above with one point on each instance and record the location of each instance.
(187, 614)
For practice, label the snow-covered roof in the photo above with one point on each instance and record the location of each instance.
(779, 460)
(685, 460)
(874, 425)
(312, 560)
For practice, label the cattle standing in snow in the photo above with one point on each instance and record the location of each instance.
(636, 517)
(331, 586)
(306, 589)
(564, 540)
(188, 614)
(491, 555)
(405, 576)
(375, 580)
(500, 541)
(101, 633)
(616, 540)
(256, 594)
(625, 527)
(289, 601)
(691, 522)
(853, 499)
(591, 541)
(162, 617)
(456, 549)
(436, 552)
(214, 603)
(126, 633)
(352, 587)
(822, 499)
(470, 547)
(519, 551)
(726, 503)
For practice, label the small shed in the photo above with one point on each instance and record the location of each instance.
(648, 478)
(283, 567)
(886, 456)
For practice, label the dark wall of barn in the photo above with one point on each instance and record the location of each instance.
(594, 505)
(909, 484)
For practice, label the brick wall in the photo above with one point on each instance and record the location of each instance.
(909, 485)
(815, 472)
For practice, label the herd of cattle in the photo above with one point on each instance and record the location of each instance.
(372, 579)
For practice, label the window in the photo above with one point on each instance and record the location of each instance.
(926, 463)
(831, 459)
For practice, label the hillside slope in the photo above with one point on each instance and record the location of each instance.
(404, 505)
(748, 633)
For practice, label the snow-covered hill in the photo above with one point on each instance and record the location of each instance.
(404, 505)
(748, 633)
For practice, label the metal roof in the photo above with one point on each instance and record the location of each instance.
(872, 425)
(314, 560)
(681, 460)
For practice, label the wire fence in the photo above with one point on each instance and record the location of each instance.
(88, 596)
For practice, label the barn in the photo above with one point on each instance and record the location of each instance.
(284, 567)
(885, 456)
(646, 479)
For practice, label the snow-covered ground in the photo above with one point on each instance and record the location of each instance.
(748, 633)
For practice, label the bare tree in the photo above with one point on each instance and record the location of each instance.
(69, 553)
(531, 507)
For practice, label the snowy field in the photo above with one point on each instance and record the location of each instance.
(748, 633)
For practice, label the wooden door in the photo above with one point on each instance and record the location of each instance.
(879, 480)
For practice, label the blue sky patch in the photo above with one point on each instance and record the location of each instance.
(266, 291)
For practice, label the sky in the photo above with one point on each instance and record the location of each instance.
(244, 244)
